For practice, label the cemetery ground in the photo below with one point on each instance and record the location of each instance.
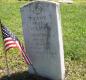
(74, 37)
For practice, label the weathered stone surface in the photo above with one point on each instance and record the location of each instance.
(43, 38)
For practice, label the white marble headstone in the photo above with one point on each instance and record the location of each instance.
(43, 38)
(66, 1)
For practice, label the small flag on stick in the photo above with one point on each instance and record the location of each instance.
(11, 41)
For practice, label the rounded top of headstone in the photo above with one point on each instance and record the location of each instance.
(38, 1)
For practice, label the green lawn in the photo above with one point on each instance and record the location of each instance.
(10, 15)
(74, 32)
(74, 36)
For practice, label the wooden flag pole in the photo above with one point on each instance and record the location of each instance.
(7, 66)
(30, 62)
(34, 69)
(8, 73)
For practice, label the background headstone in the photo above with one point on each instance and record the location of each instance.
(66, 1)
(43, 38)
(42, 0)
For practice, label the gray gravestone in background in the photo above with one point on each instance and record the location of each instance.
(66, 1)
(43, 38)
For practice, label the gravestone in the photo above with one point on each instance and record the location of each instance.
(66, 1)
(43, 38)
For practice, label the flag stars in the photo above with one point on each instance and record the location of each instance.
(11, 41)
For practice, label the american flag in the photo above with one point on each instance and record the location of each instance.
(11, 41)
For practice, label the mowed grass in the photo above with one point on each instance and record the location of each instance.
(74, 32)
(10, 16)
(74, 37)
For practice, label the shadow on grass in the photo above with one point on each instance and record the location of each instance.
(23, 76)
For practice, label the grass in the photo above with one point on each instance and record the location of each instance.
(10, 15)
(24, 76)
(74, 36)
(74, 32)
